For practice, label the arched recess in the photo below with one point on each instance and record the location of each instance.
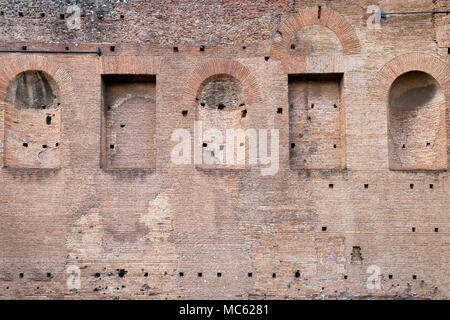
(33, 90)
(315, 16)
(222, 92)
(415, 91)
(222, 66)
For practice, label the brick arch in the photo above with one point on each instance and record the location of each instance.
(35, 62)
(310, 16)
(222, 66)
(380, 90)
(435, 67)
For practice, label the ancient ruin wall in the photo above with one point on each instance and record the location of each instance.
(105, 204)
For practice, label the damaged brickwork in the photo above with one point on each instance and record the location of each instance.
(93, 207)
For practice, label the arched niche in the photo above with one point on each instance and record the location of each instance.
(315, 40)
(221, 106)
(221, 91)
(32, 131)
(417, 135)
(317, 17)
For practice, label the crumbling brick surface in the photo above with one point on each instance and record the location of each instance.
(367, 219)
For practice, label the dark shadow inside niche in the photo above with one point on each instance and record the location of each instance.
(417, 134)
(32, 89)
(414, 89)
(221, 106)
(32, 122)
(315, 40)
(221, 92)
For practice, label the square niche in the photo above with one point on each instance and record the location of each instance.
(316, 121)
(129, 121)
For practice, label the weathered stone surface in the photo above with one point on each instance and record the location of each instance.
(128, 222)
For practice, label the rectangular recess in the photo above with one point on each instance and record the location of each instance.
(128, 121)
(316, 121)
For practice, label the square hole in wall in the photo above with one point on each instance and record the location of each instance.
(129, 121)
(314, 123)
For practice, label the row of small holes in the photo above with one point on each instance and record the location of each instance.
(111, 48)
(366, 186)
(293, 146)
(413, 276)
(413, 229)
(427, 144)
(219, 275)
(21, 275)
(202, 48)
(181, 274)
(250, 274)
(44, 146)
(61, 15)
(312, 106)
(244, 112)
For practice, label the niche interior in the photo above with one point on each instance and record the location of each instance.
(129, 121)
(221, 106)
(417, 133)
(316, 121)
(32, 132)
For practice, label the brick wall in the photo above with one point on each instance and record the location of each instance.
(172, 231)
